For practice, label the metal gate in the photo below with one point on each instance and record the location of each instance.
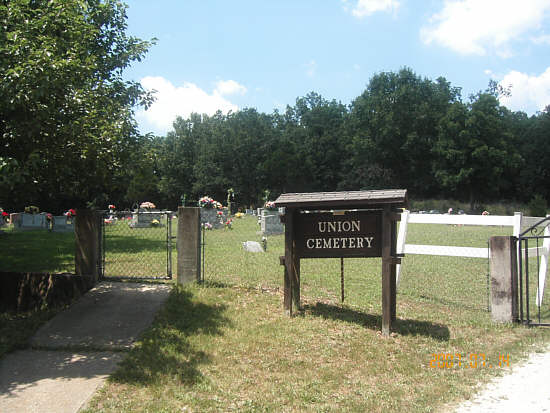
(533, 246)
(137, 245)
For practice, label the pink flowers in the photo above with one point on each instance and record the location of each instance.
(270, 205)
(70, 213)
(111, 206)
(147, 205)
(207, 202)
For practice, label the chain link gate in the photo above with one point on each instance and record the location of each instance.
(533, 257)
(137, 245)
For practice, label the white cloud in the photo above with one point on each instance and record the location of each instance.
(365, 8)
(474, 26)
(173, 101)
(543, 39)
(229, 87)
(529, 93)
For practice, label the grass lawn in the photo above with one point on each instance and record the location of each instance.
(36, 251)
(227, 346)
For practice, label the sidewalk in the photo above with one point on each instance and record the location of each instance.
(73, 353)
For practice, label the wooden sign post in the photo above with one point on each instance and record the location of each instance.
(342, 225)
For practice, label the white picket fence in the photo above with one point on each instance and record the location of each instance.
(517, 222)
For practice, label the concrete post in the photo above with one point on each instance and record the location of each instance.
(87, 244)
(504, 279)
(189, 245)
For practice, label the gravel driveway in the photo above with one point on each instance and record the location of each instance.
(525, 389)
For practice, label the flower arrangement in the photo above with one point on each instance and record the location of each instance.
(70, 213)
(207, 225)
(270, 205)
(485, 213)
(220, 213)
(5, 215)
(147, 205)
(32, 209)
(155, 223)
(207, 202)
(111, 207)
(239, 215)
(228, 224)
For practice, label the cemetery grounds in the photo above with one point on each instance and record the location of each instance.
(226, 345)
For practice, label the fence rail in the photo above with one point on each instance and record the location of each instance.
(517, 222)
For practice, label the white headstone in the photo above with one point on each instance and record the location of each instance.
(252, 246)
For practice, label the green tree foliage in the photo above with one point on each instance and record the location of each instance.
(535, 173)
(403, 131)
(476, 157)
(66, 114)
(394, 126)
(316, 126)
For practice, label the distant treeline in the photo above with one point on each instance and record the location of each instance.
(403, 131)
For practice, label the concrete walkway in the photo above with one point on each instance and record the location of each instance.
(73, 353)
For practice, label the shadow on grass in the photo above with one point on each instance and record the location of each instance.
(37, 251)
(166, 350)
(133, 244)
(374, 322)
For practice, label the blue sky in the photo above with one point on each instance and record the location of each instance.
(228, 55)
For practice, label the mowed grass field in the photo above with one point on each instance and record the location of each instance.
(226, 345)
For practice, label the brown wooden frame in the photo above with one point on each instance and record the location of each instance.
(384, 202)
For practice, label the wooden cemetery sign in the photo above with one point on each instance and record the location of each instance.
(342, 225)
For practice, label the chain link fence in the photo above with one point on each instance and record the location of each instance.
(456, 282)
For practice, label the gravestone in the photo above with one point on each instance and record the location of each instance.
(210, 215)
(252, 246)
(271, 223)
(142, 218)
(62, 224)
(25, 222)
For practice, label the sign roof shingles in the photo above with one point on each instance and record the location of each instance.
(357, 199)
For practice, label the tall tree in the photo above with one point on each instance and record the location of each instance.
(394, 125)
(475, 151)
(535, 174)
(66, 114)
